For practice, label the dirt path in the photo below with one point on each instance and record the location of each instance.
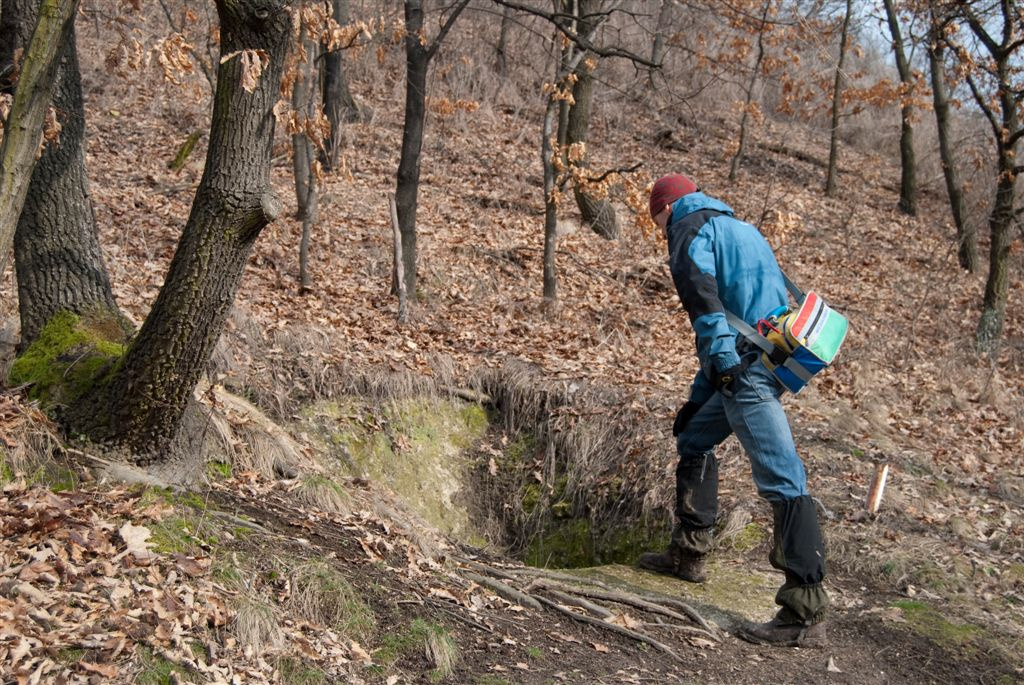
(870, 640)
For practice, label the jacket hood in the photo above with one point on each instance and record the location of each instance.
(694, 202)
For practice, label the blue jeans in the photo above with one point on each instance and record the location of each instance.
(754, 413)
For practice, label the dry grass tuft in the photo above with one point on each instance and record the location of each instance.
(321, 595)
(28, 438)
(256, 624)
(323, 494)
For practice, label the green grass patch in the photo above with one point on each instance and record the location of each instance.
(156, 670)
(218, 470)
(421, 637)
(296, 671)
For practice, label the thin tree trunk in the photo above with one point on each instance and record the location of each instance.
(339, 105)
(417, 62)
(24, 124)
(596, 212)
(143, 405)
(302, 156)
(908, 175)
(837, 96)
(967, 240)
(1001, 220)
(741, 149)
(501, 50)
(547, 154)
(407, 189)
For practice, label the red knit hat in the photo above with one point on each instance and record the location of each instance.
(668, 189)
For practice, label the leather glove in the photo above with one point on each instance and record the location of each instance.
(683, 416)
(723, 380)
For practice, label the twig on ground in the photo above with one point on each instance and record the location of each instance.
(596, 609)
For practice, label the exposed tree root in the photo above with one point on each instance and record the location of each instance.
(561, 591)
(584, 618)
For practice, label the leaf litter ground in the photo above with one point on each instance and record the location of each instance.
(82, 594)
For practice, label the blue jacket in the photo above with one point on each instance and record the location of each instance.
(719, 263)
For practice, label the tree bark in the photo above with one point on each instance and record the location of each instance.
(143, 405)
(966, 236)
(339, 105)
(658, 46)
(908, 174)
(24, 125)
(302, 149)
(596, 212)
(501, 50)
(837, 96)
(417, 61)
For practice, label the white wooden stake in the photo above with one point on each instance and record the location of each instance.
(877, 487)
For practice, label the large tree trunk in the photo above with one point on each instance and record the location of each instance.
(837, 97)
(57, 256)
(908, 175)
(143, 405)
(339, 105)
(596, 212)
(501, 49)
(658, 46)
(417, 60)
(967, 239)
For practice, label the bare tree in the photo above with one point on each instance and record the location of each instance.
(908, 175)
(418, 53)
(966, 235)
(990, 64)
(837, 100)
(761, 27)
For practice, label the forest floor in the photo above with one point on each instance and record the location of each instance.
(931, 590)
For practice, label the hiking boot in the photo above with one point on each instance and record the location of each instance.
(776, 632)
(690, 569)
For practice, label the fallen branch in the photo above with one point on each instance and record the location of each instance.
(632, 634)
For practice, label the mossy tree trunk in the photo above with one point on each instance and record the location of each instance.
(143, 405)
(57, 257)
(596, 212)
(56, 249)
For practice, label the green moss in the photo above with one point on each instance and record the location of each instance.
(70, 356)
(6, 474)
(534, 653)
(927, 621)
(218, 470)
(573, 543)
(415, 446)
(748, 538)
(566, 544)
